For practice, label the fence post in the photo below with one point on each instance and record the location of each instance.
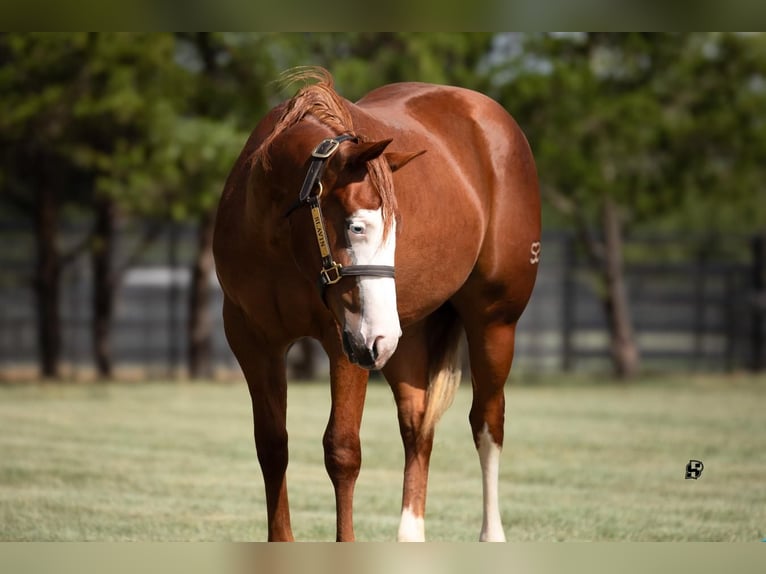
(173, 293)
(731, 319)
(568, 264)
(758, 301)
(699, 321)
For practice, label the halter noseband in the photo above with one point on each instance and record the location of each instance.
(331, 272)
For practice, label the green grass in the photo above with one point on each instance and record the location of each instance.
(176, 461)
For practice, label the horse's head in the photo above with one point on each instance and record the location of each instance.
(352, 212)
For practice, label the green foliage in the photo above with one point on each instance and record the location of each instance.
(666, 124)
(89, 103)
(137, 117)
(362, 61)
(200, 155)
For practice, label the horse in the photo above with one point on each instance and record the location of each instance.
(387, 229)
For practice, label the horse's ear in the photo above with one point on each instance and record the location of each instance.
(397, 160)
(363, 152)
(366, 151)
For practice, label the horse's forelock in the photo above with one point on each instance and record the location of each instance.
(382, 180)
(320, 100)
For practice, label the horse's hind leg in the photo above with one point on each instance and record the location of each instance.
(491, 353)
(266, 380)
(423, 375)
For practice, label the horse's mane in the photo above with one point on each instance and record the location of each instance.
(319, 99)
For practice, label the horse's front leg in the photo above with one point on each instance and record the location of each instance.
(264, 370)
(407, 374)
(342, 447)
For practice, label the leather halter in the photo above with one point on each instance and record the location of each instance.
(331, 272)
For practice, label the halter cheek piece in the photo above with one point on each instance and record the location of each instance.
(331, 272)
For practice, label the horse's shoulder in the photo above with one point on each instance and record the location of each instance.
(422, 101)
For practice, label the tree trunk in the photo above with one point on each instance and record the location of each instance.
(46, 281)
(200, 359)
(104, 284)
(623, 347)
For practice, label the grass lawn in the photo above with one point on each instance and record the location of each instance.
(176, 461)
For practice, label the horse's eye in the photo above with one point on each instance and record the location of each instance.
(356, 228)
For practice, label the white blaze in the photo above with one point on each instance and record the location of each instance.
(489, 458)
(378, 319)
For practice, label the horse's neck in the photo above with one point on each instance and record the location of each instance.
(365, 122)
(266, 228)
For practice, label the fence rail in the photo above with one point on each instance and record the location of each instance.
(694, 309)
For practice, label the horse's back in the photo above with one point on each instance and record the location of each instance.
(444, 110)
(467, 129)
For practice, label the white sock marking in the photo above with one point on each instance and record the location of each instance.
(411, 528)
(489, 458)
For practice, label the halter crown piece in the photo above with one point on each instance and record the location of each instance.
(331, 272)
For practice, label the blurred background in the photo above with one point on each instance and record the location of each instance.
(114, 149)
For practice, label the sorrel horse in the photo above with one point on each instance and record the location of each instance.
(384, 229)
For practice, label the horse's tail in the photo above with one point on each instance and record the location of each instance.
(444, 329)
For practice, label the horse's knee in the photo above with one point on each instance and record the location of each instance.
(272, 453)
(342, 456)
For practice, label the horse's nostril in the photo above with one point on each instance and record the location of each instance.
(360, 354)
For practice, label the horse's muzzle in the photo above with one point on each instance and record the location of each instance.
(360, 354)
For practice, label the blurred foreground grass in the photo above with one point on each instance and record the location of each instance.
(176, 461)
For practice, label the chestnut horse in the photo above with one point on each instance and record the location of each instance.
(384, 229)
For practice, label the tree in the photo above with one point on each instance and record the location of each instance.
(629, 129)
(125, 112)
(41, 81)
(86, 112)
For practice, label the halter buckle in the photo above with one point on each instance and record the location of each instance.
(327, 277)
(326, 148)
